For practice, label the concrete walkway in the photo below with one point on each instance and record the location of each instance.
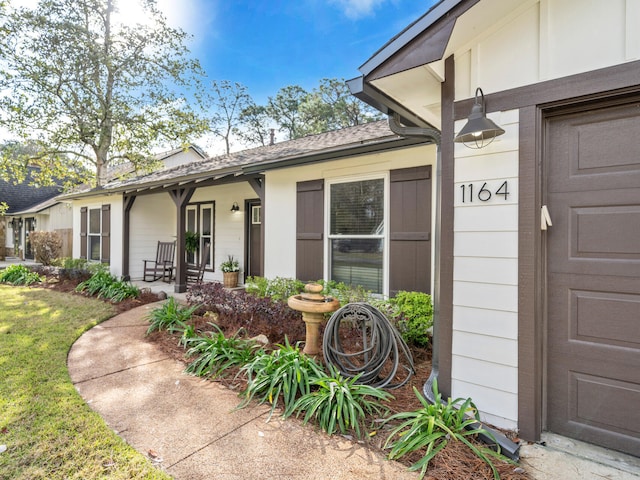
(190, 428)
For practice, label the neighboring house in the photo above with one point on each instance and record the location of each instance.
(539, 316)
(353, 205)
(33, 208)
(41, 208)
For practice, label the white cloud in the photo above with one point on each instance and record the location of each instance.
(357, 8)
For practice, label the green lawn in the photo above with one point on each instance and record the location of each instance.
(48, 430)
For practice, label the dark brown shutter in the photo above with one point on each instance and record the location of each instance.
(410, 230)
(105, 241)
(83, 233)
(309, 230)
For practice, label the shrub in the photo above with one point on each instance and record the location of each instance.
(216, 353)
(341, 403)
(170, 316)
(242, 310)
(279, 289)
(105, 285)
(432, 426)
(414, 316)
(46, 246)
(281, 374)
(18, 274)
(346, 293)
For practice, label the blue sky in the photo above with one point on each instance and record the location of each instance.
(269, 45)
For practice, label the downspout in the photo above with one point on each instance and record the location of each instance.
(433, 135)
(493, 438)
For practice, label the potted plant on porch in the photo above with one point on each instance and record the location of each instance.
(230, 268)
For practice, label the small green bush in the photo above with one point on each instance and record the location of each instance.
(346, 293)
(282, 374)
(432, 426)
(104, 285)
(413, 314)
(170, 316)
(279, 289)
(18, 274)
(341, 403)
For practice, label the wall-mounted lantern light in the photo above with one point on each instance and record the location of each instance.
(16, 223)
(479, 131)
(235, 208)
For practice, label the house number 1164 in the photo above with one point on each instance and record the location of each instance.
(472, 192)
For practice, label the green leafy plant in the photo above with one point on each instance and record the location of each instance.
(216, 353)
(283, 374)
(191, 241)
(278, 289)
(346, 293)
(414, 316)
(341, 403)
(431, 428)
(104, 285)
(170, 316)
(18, 274)
(230, 265)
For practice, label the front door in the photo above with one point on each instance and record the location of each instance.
(592, 165)
(254, 239)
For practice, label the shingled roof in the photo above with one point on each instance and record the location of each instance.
(357, 140)
(23, 196)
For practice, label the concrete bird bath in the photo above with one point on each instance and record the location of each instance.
(313, 306)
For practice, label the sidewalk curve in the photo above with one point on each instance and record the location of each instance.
(189, 426)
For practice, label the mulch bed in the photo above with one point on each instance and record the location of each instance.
(455, 462)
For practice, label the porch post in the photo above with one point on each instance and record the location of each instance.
(126, 233)
(181, 197)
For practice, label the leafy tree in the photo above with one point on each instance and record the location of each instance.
(254, 125)
(346, 110)
(90, 90)
(230, 100)
(284, 109)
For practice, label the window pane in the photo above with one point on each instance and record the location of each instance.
(94, 248)
(191, 220)
(94, 221)
(357, 208)
(357, 261)
(206, 221)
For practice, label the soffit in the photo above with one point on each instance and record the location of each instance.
(418, 88)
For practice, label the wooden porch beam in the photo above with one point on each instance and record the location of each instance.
(181, 197)
(128, 203)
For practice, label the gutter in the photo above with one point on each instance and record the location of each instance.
(495, 439)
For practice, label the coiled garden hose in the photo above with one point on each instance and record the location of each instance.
(383, 349)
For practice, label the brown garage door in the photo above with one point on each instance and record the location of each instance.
(592, 164)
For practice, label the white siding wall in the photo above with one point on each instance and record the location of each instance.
(58, 217)
(543, 40)
(280, 209)
(152, 220)
(485, 276)
(529, 42)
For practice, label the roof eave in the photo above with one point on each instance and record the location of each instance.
(388, 143)
(433, 15)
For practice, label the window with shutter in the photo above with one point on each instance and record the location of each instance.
(95, 233)
(357, 233)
